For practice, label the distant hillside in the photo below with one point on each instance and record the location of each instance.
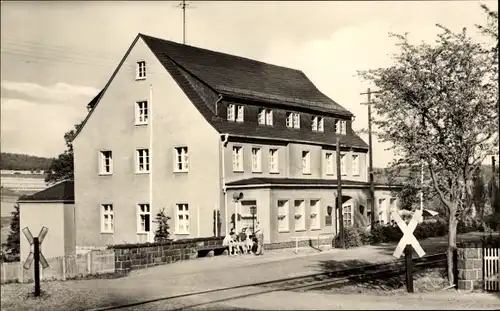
(16, 161)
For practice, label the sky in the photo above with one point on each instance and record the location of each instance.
(56, 56)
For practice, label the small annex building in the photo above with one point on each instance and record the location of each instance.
(53, 208)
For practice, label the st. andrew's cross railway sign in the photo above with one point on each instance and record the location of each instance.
(36, 248)
(36, 255)
(408, 237)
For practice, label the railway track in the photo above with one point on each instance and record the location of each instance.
(304, 282)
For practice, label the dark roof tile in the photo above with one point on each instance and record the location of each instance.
(63, 191)
(234, 75)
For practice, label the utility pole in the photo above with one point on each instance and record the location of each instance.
(339, 197)
(183, 5)
(493, 183)
(370, 154)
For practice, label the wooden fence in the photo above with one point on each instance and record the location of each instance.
(491, 259)
(61, 268)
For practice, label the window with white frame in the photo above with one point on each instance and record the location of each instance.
(315, 216)
(141, 70)
(306, 162)
(265, 116)
(237, 159)
(273, 161)
(347, 213)
(269, 117)
(355, 165)
(340, 127)
(106, 160)
(181, 159)
(143, 218)
(314, 123)
(329, 163)
(107, 219)
(289, 119)
(300, 220)
(321, 124)
(231, 112)
(317, 124)
(142, 160)
(283, 214)
(182, 223)
(141, 112)
(296, 120)
(262, 116)
(343, 167)
(256, 160)
(239, 113)
(293, 119)
(336, 126)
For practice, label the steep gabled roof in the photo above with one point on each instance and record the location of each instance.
(63, 192)
(238, 76)
(205, 75)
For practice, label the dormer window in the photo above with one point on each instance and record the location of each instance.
(141, 70)
(321, 125)
(340, 127)
(231, 116)
(239, 113)
(317, 124)
(293, 119)
(265, 116)
(235, 113)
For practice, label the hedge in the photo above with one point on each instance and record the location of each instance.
(355, 237)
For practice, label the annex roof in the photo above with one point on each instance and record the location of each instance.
(63, 192)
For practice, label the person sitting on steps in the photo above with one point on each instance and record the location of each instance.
(230, 243)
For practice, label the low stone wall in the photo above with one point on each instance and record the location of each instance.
(470, 268)
(470, 263)
(138, 256)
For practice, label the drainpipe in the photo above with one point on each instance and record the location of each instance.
(217, 105)
(225, 138)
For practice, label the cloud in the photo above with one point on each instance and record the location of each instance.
(36, 128)
(56, 93)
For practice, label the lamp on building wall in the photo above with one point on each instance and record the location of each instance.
(329, 210)
(253, 211)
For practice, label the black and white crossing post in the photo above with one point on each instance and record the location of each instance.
(36, 255)
(407, 242)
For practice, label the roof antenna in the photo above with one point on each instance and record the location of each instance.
(183, 5)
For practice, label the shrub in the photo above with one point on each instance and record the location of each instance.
(384, 234)
(469, 224)
(162, 234)
(353, 237)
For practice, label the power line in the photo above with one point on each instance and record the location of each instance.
(53, 60)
